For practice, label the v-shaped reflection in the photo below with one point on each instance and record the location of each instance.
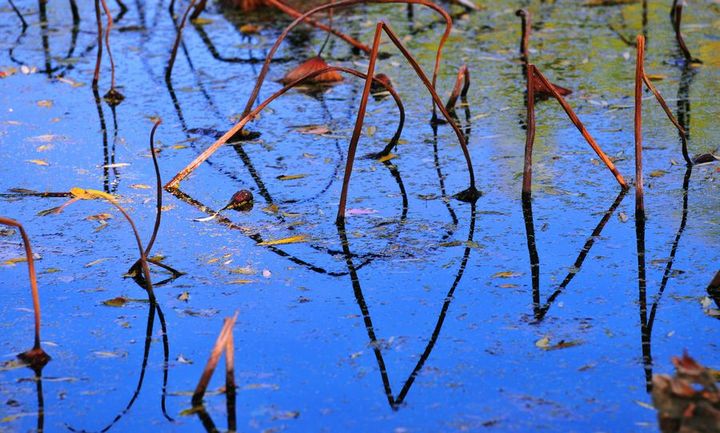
(648, 320)
(395, 401)
(540, 310)
(153, 309)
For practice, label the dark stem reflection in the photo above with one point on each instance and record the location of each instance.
(154, 308)
(540, 310)
(395, 401)
(648, 320)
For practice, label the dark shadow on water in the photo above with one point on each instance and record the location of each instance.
(648, 320)
(540, 310)
(152, 310)
(395, 401)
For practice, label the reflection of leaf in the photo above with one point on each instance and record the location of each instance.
(314, 129)
(544, 344)
(506, 274)
(658, 173)
(387, 157)
(284, 241)
(106, 354)
(241, 282)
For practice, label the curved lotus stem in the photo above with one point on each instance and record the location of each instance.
(344, 4)
(462, 85)
(35, 356)
(251, 116)
(98, 60)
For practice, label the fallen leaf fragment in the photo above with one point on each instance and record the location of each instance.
(285, 241)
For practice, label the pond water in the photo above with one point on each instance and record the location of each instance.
(427, 314)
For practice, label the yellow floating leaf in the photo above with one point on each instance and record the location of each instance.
(45, 103)
(38, 162)
(241, 282)
(96, 262)
(272, 209)
(44, 147)
(116, 302)
(91, 194)
(656, 77)
(202, 21)
(658, 173)
(285, 241)
(249, 29)
(387, 157)
(291, 176)
(245, 270)
(140, 186)
(314, 130)
(16, 260)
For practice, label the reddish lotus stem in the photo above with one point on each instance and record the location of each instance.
(33, 276)
(221, 344)
(639, 73)
(158, 189)
(182, 174)
(198, 9)
(462, 85)
(359, 121)
(579, 125)
(107, 42)
(295, 14)
(663, 104)
(472, 193)
(530, 133)
(98, 60)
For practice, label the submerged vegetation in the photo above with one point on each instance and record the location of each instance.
(279, 227)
